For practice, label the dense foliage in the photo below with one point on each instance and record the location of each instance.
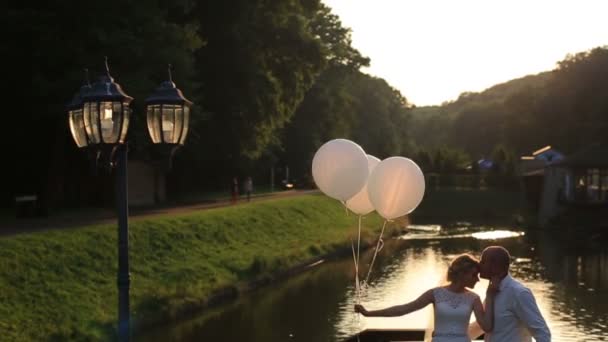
(270, 80)
(566, 108)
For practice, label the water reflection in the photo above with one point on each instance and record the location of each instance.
(496, 234)
(430, 232)
(570, 283)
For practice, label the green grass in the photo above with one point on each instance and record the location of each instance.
(61, 285)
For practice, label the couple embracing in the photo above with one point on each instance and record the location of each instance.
(509, 313)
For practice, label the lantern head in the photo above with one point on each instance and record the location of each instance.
(106, 112)
(168, 114)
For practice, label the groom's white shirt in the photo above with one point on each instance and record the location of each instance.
(516, 315)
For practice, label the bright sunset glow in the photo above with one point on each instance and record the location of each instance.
(434, 50)
(496, 234)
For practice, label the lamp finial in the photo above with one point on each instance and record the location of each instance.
(107, 66)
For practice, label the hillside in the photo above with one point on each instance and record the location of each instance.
(524, 113)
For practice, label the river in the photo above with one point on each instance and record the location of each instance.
(568, 277)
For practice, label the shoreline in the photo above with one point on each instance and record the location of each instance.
(180, 264)
(233, 292)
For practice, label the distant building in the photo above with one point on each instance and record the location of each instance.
(146, 184)
(485, 164)
(554, 183)
(585, 178)
(539, 160)
(532, 169)
(548, 154)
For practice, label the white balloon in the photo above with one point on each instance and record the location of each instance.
(395, 187)
(360, 203)
(339, 168)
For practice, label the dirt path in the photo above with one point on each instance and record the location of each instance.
(77, 219)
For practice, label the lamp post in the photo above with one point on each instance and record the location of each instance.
(99, 116)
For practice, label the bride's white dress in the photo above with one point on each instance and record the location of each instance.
(452, 315)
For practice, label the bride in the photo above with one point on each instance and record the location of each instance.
(453, 303)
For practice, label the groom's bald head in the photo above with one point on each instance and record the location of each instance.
(495, 260)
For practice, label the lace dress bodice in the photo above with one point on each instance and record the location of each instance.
(452, 315)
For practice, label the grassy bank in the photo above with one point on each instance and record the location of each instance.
(61, 285)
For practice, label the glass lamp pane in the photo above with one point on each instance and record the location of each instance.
(77, 127)
(94, 136)
(150, 121)
(79, 121)
(125, 121)
(107, 124)
(168, 123)
(87, 120)
(182, 139)
(179, 123)
(113, 110)
(153, 117)
(73, 126)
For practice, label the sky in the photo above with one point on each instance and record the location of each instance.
(433, 50)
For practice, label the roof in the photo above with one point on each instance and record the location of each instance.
(546, 148)
(593, 156)
(541, 158)
(548, 154)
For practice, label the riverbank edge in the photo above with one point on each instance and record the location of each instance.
(44, 271)
(44, 266)
(232, 293)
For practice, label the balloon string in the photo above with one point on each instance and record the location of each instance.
(357, 265)
(345, 207)
(356, 256)
(379, 246)
(357, 287)
(352, 245)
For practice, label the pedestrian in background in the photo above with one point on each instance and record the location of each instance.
(234, 189)
(248, 187)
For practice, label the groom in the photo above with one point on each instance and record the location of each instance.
(516, 315)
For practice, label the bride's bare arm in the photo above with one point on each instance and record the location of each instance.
(399, 310)
(484, 316)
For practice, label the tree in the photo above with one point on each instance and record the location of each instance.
(57, 39)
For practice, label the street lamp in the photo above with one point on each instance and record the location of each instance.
(168, 117)
(99, 116)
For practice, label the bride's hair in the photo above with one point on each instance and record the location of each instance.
(460, 265)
